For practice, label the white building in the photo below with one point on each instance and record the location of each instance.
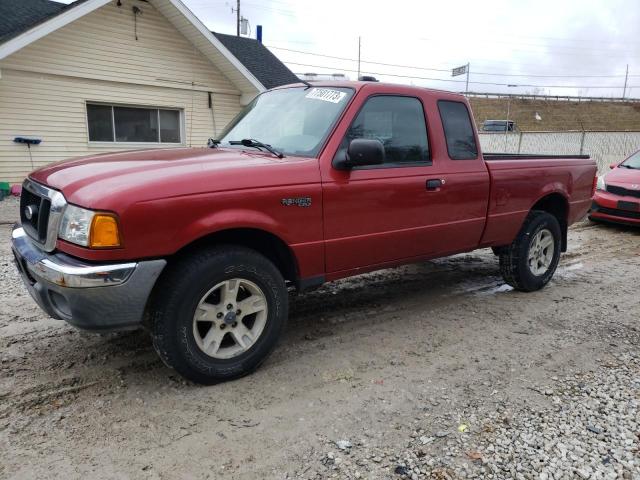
(107, 75)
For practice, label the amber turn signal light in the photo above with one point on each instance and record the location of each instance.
(104, 231)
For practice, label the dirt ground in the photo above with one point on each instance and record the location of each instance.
(371, 360)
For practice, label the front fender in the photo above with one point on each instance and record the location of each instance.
(229, 219)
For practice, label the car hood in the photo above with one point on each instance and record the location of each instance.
(624, 177)
(143, 175)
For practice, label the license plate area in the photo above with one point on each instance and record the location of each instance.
(21, 264)
(631, 206)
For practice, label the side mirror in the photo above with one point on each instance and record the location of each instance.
(613, 165)
(362, 152)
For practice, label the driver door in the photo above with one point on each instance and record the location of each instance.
(379, 214)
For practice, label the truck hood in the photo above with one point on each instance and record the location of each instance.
(143, 175)
(623, 176)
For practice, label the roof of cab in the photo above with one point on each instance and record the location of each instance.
(357, 85)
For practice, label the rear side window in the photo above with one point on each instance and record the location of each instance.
(398, 122)
(461, 142)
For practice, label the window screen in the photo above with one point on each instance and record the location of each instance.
(169, 126)
(398, 122)
(461, 142)
(100, 123)
(112, 123)
(135, 124)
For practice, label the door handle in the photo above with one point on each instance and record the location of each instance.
(434, 184)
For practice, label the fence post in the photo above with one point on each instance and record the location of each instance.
(582, 143)
(519, 142)
(626, 151)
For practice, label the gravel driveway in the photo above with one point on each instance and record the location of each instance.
(436, 370)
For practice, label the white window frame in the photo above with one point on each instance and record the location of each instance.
(102, 143)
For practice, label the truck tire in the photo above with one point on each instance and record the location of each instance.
(531, 260)
(217, 313)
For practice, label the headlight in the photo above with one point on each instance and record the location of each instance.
(601, 185)
(88, 228)
(75, 225)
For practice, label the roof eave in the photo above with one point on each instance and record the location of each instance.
(198, 34)
(45, 28)
(177, 14)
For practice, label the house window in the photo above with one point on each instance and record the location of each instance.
(114, 123)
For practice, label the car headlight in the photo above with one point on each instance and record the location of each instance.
(601, 185)
(88, 228)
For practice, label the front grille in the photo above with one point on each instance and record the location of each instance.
(41, 210)
(618, 213)
(623, 191)
(36, 226)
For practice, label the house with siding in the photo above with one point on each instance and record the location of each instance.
(107, 75)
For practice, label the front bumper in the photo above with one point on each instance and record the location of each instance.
(86, 295)
(605, 207)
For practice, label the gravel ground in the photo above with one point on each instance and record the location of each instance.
(435, 370)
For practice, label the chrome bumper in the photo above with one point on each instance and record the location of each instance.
(88, 296)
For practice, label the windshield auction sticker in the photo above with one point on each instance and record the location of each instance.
(326, 95)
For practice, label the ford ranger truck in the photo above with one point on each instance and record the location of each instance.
(308, 184)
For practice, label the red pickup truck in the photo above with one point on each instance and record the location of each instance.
(308, 184)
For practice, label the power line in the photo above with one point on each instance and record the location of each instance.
(581, 41)
(536, 47)
(448, 69)
(281, 11)
(457, 81)
(363, 61)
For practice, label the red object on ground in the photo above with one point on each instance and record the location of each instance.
(617, 199)
(16, 190)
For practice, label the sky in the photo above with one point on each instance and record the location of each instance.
(556, 47)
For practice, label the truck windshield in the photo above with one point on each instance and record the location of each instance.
(632, 162)
(294, 121)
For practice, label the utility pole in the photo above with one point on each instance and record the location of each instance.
(626, 76)
(467, 87)
(359, 44)
(238, 18)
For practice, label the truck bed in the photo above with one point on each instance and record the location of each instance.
(519, 179)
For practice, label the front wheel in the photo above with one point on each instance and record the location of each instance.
(218, 313)
(531, 260)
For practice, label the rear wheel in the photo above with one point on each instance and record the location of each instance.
(218, 313)
(529, 263)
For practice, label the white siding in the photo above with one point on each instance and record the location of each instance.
(45, 86)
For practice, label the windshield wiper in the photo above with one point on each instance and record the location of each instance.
(250, 142)
(628, 166)
(213, 143)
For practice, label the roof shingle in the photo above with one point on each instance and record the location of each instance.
(263, 64)
(18, 16)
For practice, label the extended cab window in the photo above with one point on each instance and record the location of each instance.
(398, 122)
(461, 142)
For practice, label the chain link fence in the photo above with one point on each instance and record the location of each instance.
(604, 147)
